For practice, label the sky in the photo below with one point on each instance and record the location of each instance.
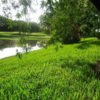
(32, 15)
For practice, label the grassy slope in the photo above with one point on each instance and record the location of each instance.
(49, 74)
(15, 35)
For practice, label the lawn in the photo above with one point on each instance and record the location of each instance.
(30, 36)
(61, 72)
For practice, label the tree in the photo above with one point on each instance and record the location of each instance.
(19, 26)
(69, 19)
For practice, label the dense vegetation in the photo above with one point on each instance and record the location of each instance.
(52, 73)
(21, 26)
(68, 21)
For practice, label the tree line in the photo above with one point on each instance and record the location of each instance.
(21, 26)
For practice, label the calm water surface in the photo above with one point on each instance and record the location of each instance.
(10, 48)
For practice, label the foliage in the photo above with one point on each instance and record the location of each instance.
(22, 6)
(50, 74)
(21, 26)
(69, 20)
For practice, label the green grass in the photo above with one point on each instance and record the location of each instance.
(16, 36)
(52, 74)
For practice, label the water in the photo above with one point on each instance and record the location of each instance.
(9, 48)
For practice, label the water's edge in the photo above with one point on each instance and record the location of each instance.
(12, 51)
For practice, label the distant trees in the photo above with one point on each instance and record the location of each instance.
(69, 20)
(66, 20)
(21, 7)
(3, 26)
(21, 26)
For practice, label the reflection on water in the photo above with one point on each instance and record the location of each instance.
(7, 43)
(8, 48)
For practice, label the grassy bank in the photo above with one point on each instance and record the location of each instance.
(29, 36)
(62, 73)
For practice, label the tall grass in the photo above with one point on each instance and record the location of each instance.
(50, 74)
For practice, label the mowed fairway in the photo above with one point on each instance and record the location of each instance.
(29, 36)
(53, 73)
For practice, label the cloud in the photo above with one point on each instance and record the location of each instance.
(31, 16)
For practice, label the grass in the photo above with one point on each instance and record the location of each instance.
(16, 36)
(52, 73)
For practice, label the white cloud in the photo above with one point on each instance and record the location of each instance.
(32, 16)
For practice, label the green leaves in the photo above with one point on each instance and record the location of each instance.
(67, 19)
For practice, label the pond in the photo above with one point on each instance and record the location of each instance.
(12, 47)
